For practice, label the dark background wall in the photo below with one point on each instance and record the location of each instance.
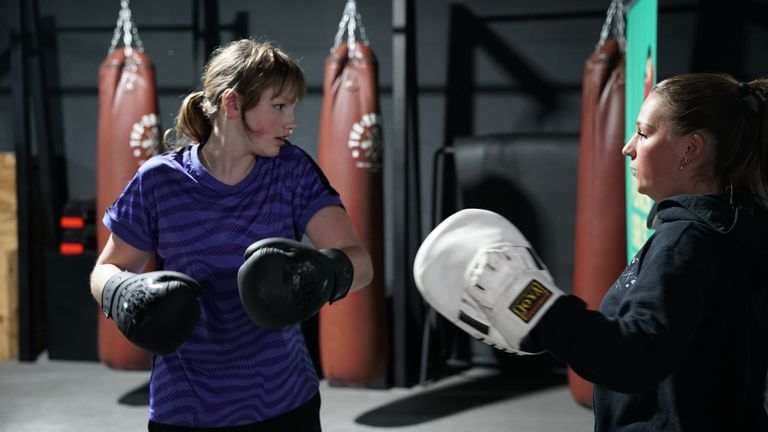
(550, 38)
(519, 71)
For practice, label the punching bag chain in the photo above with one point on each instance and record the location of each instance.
(128, 29)
(351, 21)
(614, 24)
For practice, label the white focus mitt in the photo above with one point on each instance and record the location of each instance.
(479, 271)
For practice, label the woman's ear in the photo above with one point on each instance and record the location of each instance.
(230, 101)
(696, 145)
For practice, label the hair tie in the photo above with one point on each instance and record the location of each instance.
(744, 88)
(748, 96)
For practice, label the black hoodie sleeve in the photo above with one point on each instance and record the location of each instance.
(647, 320)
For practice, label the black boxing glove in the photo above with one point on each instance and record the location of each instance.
(285, 282)
(156, 310)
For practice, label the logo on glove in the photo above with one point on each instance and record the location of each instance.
(528, 303)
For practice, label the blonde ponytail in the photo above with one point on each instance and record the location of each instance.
(192, 123)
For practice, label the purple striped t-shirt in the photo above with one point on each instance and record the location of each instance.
(229, 372)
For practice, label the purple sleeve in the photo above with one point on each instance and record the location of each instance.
(129, 216)
(314, 192)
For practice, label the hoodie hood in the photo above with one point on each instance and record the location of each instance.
(710, 210)
(748, 225)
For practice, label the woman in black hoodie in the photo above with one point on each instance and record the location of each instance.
(680, 342)
(681, 339)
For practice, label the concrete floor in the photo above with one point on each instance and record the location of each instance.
(58, 396)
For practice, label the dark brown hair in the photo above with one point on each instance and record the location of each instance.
(733, 115)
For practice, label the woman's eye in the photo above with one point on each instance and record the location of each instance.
(641, 135)
(279, 107)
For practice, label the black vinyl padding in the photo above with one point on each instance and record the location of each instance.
(532, 182)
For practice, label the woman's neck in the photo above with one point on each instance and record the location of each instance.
(228, 162)
(707, 185)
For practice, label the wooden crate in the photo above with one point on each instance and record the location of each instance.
(9, 276)
(8, 205)
(9, 304)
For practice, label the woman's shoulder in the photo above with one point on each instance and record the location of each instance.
(293, 159)
(291, 152)
(169, 160)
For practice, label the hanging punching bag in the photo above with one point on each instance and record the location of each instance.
(600, 237)
(128, 134)
(352, 332)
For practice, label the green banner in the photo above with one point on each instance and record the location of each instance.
(641, 75)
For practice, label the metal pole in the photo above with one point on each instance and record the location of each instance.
(22, 142)
(211, 26)
(401, 190)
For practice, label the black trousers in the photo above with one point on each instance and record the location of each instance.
(305, 418)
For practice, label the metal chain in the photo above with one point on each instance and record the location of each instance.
(116, 34)
(351, 24)
(616, 11)
(128, 29)
(351, 21)
(620, 27)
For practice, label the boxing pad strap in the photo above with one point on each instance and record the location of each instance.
(508, 286)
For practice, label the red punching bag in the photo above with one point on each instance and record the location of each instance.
(600, 229)
(128, 134)
(353, 338)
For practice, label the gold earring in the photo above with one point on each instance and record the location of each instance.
(682, 164)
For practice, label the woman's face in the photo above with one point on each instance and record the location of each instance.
(270, 122)
(657, 153)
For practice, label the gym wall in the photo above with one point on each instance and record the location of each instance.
(551, 38)
(500, 48)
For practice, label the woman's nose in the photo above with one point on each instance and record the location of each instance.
(291, 123)
(629, 148)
